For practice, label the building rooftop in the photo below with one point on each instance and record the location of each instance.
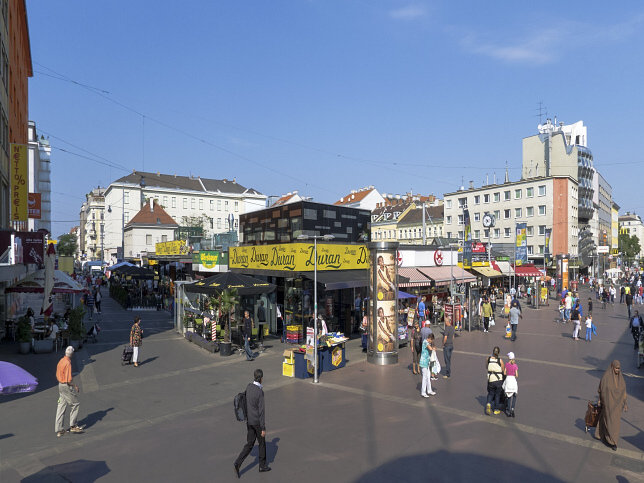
(415, 216)
(355, 196)
(287, 198)
(192, 183)
(152, 214)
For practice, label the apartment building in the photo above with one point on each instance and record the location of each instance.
(410, 225)
(191, 201)
(91, 233)
(631, 223)
(366, 198)
(540, 202)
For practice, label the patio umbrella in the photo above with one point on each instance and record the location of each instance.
(244, 284)
(405, 295)
(47, 302)
(14, 379)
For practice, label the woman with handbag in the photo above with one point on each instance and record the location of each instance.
(510, 385)
(136, 340)
(495, 368)
(426, 386)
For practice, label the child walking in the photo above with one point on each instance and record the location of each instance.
(589, 328)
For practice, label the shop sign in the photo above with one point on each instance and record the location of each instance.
(299, 257)
(177, 247)
(33, 203)
(427, 258)
(207, 258)
(19, 186)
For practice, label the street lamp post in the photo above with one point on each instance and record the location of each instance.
(315, 298)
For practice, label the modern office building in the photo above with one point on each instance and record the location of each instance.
(559, 150)
(200, 204)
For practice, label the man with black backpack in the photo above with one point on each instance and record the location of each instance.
(255, 425)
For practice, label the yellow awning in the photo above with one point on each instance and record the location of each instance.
(488, 272)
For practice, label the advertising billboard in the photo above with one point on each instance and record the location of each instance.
(19, 182)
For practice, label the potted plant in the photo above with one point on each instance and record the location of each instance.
(24, 335)
(76, 327)
(226, 303)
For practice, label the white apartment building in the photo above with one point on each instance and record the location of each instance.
(542, 203)
(367, 198)
(39, 155)
(148, 227)
(631, 223)
(189, 200)
(91, 232)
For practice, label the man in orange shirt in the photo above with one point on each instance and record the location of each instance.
(67, 395)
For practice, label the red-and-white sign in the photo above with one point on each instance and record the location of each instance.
(34, 205)
(438, 258)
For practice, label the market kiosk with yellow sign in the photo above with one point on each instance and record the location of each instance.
(343, 278)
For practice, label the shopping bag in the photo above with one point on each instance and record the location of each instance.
(492, 323)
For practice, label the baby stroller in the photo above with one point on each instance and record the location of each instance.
(92, 333)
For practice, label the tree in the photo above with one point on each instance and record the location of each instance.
(224, 303)
(67, 245)
(629, 246)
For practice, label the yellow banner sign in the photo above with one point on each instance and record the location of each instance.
(19, 183)
(299, 257)
(177, 247)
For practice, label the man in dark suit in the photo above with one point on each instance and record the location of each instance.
(256, 428)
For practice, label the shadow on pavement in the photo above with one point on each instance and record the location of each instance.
(95, 417)
(79, 471)
(454, 467)
(5, 436)
(148, 360)
(271, 453)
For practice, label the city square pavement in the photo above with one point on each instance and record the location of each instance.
(171, 419)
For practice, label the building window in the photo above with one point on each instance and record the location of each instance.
(530, 249)
(477, 217)
(497, 233)
(226, 205)
(542, 190)
(126, 197)
(506, 195)
(477, 200)
(192, 203)
(462, 202)
(448, 219)
(497, 197)
(448, 203)
(174, 201)
(530, 230)
(236, 205)
(218, 205)
(460, 219)
(542, 209)
(477, 234)
(219, 223)
(506, 214)
(185, 203)
(212, 205)
(486, 198)
(460, 235)
(148, 239)
(529, 211)
(497, 214)
(542, 229)
(486, 233)
(517, 194)
(541, 249)
(200, 204)
(165, 201)
(449, 234)
(517, 213)
(529, 192)
(506, 232)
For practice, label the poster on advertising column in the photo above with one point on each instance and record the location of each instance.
(19, 182)
(383, 331)
(546, 246)
(521, 245)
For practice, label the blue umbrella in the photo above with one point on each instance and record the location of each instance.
(405, 295)
(14, 379)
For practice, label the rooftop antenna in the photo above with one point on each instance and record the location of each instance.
(495, 177)
(541, 112)
(487, 179)
(507, 174)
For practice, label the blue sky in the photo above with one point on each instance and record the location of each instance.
(325, 96)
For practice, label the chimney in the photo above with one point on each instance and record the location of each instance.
(471, 184)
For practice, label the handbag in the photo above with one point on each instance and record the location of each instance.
(492, 323)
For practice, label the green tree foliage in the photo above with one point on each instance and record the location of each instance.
(67, 245)
(629, 245)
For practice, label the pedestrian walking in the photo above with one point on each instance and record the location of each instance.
(255, 423)
(97, 298)
(575, 317)
(622, 293)
(89, 301)
(590, 306)
(488, 314)
(416, 349)
(426, 384)
(448, 347)
(589, 328)
(495, 368)
(612, 399)
(515, 314)
(421, 311)
(136, 339)
(636, 326)
(510, 385)
(247, 333)
(67, 395)
(629, 303)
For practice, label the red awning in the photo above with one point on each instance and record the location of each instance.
(416, 279)
(527, 271)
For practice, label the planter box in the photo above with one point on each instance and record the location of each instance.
(43, 346)
(209, 345)
(225, 348)
(24, 347)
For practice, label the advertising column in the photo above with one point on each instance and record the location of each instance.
(383, 296)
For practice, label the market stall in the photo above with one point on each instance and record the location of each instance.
(298, 362)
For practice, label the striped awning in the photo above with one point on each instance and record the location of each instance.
(443, 275)
(488, 272)
(415, 278)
